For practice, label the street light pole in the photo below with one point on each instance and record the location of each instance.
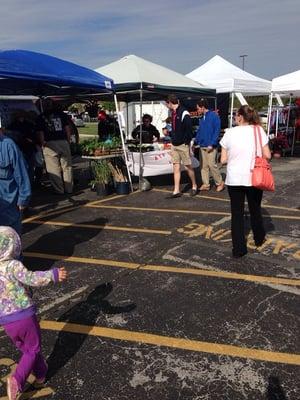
(243, 58)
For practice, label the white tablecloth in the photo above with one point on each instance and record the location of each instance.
(154, 163)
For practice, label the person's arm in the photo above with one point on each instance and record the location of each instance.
(266, 153)
(224, 156)
(156, 133)
(224, 151)
(135, 132)
(187, 127)
(20, 176)
(37, 278)
(68, 131)
(216, 127)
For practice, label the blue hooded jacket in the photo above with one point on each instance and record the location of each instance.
(209, 130)
(14, 183)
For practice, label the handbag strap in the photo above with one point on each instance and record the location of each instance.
(257, 132)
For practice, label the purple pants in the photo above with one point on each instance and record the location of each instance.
(26, 336)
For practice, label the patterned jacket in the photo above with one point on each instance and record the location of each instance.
(15, 301)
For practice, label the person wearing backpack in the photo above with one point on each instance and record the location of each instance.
(181, 137)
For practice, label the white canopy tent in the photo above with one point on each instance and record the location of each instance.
(225, 77)
(137, 79)
(287, 84)
(284, 85)
(131, 71)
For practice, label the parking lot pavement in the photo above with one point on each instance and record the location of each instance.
(155, 307)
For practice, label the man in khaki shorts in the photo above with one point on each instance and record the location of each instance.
(181, 137)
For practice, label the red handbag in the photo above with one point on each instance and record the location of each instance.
(262, 177)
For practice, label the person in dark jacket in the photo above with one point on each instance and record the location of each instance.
(207, 137)
(181, 137)
(149, 133)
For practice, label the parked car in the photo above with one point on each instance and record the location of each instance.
(78, 121)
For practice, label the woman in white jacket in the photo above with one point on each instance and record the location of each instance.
(238, 151)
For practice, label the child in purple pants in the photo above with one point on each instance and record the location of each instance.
(18, 312)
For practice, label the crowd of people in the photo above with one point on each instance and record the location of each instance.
(50, 135)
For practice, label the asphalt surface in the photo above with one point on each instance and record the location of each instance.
(154, 306)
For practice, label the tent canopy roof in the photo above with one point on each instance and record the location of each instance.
(132, 73)
(227, 78)
(287, 84)
(25, 72)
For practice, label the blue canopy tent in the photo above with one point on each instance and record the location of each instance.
(25, 72)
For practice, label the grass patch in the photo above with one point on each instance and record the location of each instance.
(90, 128)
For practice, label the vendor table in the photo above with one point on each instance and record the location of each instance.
(153, 163)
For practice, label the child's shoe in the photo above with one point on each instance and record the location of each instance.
(12, 388)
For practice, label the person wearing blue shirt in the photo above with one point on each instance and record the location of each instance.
(15, 190)
(207, 137)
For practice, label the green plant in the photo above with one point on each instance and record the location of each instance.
(102, 172)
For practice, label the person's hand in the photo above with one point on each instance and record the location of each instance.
(209, 149)
(62, 274)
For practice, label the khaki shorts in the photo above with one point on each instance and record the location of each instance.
(180, 154)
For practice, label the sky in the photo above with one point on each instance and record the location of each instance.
(180, 35)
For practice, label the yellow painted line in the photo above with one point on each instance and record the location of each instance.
(292, 217)
(164, 268)
(166, 210)
(71, 208)
(49, 213)
(104, 227)
(107, 199)
(264, 205)
(173, 342)
(179, 211)
(201, 196)
(95, 261)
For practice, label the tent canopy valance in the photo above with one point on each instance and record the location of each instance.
(288, 84)
(25, 72)
(131, 74)
(228, 78)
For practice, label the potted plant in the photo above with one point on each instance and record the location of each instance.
(119, 176)
(102, 177)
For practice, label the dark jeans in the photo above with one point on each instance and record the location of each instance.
(237, 200)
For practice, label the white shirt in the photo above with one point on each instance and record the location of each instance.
(240, 145)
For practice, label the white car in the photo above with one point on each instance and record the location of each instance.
(78, 121)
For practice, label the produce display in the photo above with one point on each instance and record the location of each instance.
(93, 147)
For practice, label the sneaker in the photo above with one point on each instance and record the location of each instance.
(12, 388)
(204, 188)
(174, 195)
(220, 187)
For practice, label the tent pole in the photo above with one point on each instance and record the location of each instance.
(141, 134)
(123, 142)
(288, 116)
(231, 110)
(269, 113)
(127, 120)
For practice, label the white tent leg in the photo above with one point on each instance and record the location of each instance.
(141, 134)
(231, 110)
(123, 143)
(269, 113)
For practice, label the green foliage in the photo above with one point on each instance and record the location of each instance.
(108, 105)
(257, 102)
(101, 171)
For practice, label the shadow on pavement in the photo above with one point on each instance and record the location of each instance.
(275, 391)
(83, 313)
(62, 242)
